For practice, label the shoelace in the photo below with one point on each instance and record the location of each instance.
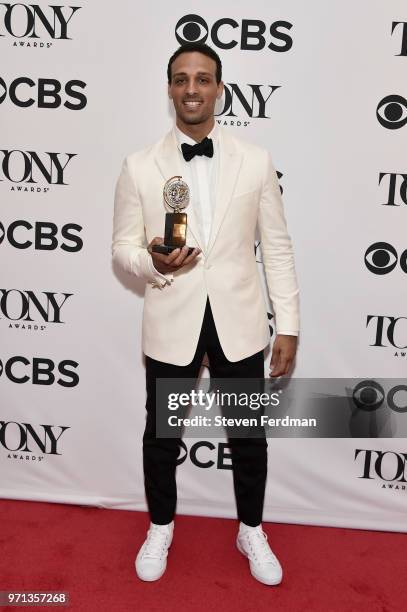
(259, 547)
(155, 543)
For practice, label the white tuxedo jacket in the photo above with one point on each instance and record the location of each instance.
(247, 195)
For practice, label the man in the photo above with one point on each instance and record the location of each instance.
(209, 301)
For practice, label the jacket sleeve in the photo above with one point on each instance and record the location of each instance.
(277, 254)
(129, 245)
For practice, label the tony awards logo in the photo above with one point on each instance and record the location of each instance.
(176, 196)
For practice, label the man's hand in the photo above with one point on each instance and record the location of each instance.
(283, 354)
(175, 260)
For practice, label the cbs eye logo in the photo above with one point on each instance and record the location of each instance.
(191, 28)
(391, 112)
(369, 395)
(381, 258)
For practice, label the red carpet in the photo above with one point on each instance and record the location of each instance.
(90, 553)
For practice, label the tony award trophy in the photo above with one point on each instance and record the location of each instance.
(176, 196)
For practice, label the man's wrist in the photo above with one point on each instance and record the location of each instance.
(159, 278)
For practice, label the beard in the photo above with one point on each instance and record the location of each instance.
(191, 118)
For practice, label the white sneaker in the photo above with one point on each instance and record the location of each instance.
(264, 565)
(151, 560)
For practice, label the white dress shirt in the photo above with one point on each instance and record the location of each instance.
(200, 173)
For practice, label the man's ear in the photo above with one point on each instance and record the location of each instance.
(221, 87)
(169, 92)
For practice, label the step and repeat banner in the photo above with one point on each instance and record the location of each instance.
(322, 86)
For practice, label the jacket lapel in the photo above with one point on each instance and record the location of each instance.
(230, 160)
(168, 161)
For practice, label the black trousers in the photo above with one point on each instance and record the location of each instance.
(248, 455)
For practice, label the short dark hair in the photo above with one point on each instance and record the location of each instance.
(200, 48)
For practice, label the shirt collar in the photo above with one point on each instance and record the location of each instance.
(181, 137)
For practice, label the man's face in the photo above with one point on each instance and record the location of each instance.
(193, 87)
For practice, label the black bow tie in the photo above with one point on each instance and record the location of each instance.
(205, 147)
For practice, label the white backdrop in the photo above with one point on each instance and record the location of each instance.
(337, 64)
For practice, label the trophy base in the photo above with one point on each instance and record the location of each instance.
(166, 250)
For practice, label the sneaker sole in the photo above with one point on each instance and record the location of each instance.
(149, 579)
(253, 573)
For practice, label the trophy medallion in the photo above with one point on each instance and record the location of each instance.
(176, 196)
